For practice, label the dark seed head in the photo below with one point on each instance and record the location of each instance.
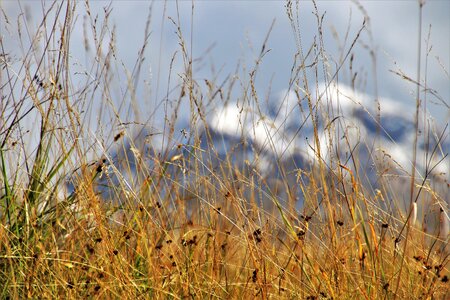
(254, 275)
(70, 285)
(301, 233)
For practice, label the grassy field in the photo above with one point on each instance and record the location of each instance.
(87, 210)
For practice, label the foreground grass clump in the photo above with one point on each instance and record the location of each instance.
(94, 207)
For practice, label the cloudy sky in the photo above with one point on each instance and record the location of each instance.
(222, 34)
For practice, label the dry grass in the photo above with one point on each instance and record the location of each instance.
(179, 221)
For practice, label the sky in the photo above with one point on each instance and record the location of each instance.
(235, 30)
(222, 34)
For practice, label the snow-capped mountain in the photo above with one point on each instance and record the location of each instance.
(375, 138)
(276, 146)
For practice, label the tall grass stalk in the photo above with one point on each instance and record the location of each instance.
(95, 202)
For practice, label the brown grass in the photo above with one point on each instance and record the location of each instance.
(177, 221)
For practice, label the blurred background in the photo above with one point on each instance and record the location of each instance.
(225, 39)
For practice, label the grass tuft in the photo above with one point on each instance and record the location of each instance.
(96, 202)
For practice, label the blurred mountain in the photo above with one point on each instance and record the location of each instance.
(276, 147)
(374, 139)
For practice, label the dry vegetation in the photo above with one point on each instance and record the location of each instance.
(176, 223)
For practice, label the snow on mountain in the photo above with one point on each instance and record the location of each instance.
(349, 126)
(277, 141)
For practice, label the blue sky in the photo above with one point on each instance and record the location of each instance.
(234, 31)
